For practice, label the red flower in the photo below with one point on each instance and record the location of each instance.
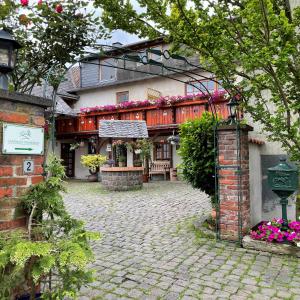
(59, 8)
(24, 2)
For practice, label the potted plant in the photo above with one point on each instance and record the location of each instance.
(145, 147)
(122, 161)
(93, 162)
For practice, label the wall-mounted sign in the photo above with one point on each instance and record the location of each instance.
(108, 148)
(21, 139)
(28, 166)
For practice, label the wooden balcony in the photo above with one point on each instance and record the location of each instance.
(162, 118)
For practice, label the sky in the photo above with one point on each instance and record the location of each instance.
(118, 35)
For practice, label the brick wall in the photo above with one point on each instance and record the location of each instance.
(18, 109)
(230, 185)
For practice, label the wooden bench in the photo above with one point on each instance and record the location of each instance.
(159, 167)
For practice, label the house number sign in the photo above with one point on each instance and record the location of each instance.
(28, 166)
(20, 139)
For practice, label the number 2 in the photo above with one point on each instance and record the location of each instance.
(28, 166)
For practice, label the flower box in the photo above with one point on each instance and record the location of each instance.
(275, 237)
(276, 248)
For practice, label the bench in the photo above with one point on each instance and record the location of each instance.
(159, 167)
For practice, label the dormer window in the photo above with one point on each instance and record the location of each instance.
(107, 70)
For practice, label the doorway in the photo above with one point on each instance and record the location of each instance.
(68, 159)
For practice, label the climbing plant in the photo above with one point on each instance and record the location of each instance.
(251, 45)
(52, 34)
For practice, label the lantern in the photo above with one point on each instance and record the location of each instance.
(8, 55)
(232, 110)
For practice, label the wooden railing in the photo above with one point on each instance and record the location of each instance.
(156, 118)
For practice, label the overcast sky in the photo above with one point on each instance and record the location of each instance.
(118, 35)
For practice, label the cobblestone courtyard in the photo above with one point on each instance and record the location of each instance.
(149, 251)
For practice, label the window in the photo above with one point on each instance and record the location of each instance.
(196, 87)
(107, 72)
(162, 151)
(153, 94)
(122, 97)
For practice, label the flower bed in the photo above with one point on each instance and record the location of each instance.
(160, 102)
(274, 237)
(274, 231)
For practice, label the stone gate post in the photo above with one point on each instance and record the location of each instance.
(27, 111)
(234, 192)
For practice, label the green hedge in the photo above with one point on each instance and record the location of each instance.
(197, 153)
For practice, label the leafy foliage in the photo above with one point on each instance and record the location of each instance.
(251, 45)
(93, 161)
(54, 253)
(197, 153)
(51, 38)
(145, 145)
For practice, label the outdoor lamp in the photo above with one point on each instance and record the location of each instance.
(232, 110)
(173, 139)
(8, 55)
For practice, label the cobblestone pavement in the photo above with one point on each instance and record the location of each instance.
(149, 251)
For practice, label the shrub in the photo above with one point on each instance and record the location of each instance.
(197, 153)
(93, 161)
(53, 253)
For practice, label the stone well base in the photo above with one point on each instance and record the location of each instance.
(122, 179)
(276, 248)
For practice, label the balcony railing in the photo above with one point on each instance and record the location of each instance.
(155, 117)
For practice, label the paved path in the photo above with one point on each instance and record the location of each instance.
(149, 251)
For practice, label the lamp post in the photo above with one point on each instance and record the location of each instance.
(232, 110)
(8, 56)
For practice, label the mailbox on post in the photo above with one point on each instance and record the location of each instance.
(283, 180)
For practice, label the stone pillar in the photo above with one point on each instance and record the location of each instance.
(19, 109)
(231, 185)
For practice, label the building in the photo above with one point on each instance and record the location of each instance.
(104, 89)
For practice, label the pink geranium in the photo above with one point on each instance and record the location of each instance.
(160, 102)
(273, 231)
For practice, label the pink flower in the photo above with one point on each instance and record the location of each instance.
(40, 2)
(24, 2)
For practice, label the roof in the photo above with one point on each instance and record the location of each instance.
(123, 129)
(121, 49)
(71, 81)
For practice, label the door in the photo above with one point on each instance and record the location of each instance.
(68, 159)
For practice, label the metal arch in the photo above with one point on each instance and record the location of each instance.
(176, 71)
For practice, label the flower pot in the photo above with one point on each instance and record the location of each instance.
(145, 178)
(93, 177)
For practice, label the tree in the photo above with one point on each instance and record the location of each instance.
(197, 153)
(251, 45)
(52, 34)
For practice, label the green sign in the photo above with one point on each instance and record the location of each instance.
(22, 139)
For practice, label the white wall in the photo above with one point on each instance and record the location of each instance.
(255, 184)
(137, 91)
(81, 172)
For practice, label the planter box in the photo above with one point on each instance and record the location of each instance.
(277, 248)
